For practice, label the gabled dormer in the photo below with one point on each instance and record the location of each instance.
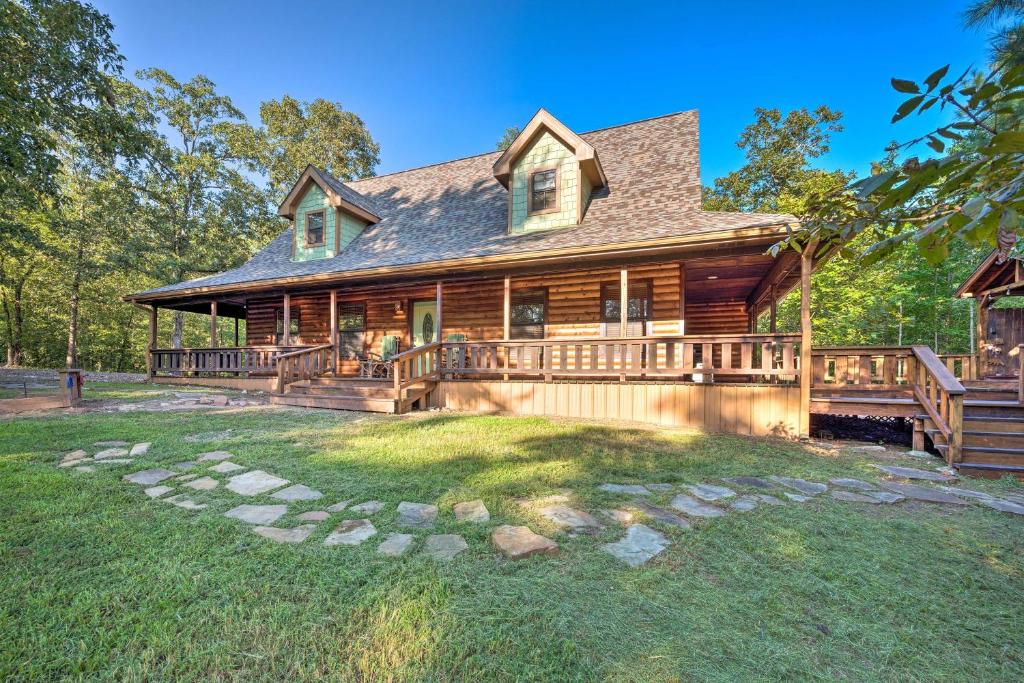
(326, 215)
(550, 173)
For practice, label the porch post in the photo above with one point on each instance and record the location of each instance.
(236, 333)
(752, 319)
(334, 331)
(623, 301)
(286, 336)
(213, 324)
(682, 299)
(152, 340)
(440, 319)
(507, 310)
(806, 264)
(773, 314)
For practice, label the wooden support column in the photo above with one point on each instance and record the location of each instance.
(623, 319)
(152, 340)
(507, 310)
(752, 319)
(440, 318)
(286, 335)
(806, 265)
(334, 331)
(213, 324)
(773, 313)
(236, 333)
(682, 299)
(982, 332)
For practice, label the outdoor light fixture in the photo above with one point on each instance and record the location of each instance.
(398, 306)
(712, 277)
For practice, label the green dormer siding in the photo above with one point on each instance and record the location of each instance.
(546, 152)
(316, 200)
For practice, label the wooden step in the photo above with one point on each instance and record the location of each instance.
(349, 382)
(378, 390)
(990, 394)
(994, 455)
(857, 405)
(994, 423)
(986, 470)
(994, 439)
(371, 405)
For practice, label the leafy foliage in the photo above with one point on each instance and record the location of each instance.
(507, 138)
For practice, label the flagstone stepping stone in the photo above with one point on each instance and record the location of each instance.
(186, 465)
(148, 477)
(871, 448)
(85, 468)
(808, 488)
(110, 444)
(696, 508)
(370, 507)
(919, 454)
(338, 507)
(967, 493)
(914, 473)
(662, 515)
(157, 491)
(796, 497)
(885, 496)
(257, 514)
(853, 484)
(568, 518)
(297, 492)
(709, 492)
(73, 458)
(744, 504)
(1004, 506)
(214, 455)
(754, 482)
(638, 546)
(519, 542)
(111, 453)
(1014, 498)
(351, 532)
(203, 484)
(225, 467)
(416, 515)
(659, 487)
(553, 499)
(444, 547)
(620, 516)
(770, 500)
(140, 449)
(851, 497)
(472, 511)
(115, 461)
(296, 534)
(629, 489)
(314, 516)
(186, 477)
(184, 502)
(395, 544)
(923, 494)
(254, 483)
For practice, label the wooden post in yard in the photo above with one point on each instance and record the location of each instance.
(806, 265)
(334, 331)
(286, 333)
(213, 324)
(152, 340)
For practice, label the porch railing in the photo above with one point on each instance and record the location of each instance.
(418, 364)
(964, 366)
(303, 364)
(758, 357)
(251, 360)
(862, 367)
(942, 396)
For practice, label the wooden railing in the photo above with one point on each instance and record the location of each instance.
(415, 365)
(758, 357)
(942, 396)
(251, 360)
(862, 367)
(963, 366)
(303, 364)
(1020, 374)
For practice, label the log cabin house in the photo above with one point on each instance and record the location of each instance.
(571, 274)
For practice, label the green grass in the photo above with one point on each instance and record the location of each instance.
(100, 583)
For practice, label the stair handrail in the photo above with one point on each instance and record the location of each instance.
(302, 364)
(942, 397)
(415, 365)
(1020, 374)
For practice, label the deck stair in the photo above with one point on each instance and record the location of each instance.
(341, 393)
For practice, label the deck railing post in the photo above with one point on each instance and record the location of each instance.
(806, 265)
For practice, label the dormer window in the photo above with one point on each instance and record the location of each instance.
(543, 191)
(315, 228)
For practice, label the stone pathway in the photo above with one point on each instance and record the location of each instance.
(254, 483)
(519, 542)
(914, 473)
(257, 514)
(473, 511)
(416, 515)
(296, 534)
(297, 492)
(351, 532)
(565, 517)
(640, 544)
(444, 547)
(395, 544)
(691, 506)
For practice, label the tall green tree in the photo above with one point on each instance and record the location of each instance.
(507, 138)
(1005, 18)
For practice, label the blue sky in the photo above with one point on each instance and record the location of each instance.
(436, 81)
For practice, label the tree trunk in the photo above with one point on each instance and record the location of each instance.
(71, 359)
(179, 326)
(15, 318)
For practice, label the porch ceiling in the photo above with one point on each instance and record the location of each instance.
(725, 278)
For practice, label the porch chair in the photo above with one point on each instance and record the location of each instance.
(380, 366)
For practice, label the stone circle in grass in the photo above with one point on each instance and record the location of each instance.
(914, 473)
(111, 453)
(710, 492)
(254, 483)
(853, 484)
(148, 477)
(139, 449)
(638, 546)
(314, 516)
(351, 532)
(471, 511)
(695, 508)
(203, 484)
(416, 515)
(444, 547)
(297, 492)
(923, 494)
(566, 517)
(395, 544)
(257, 514)
(808, 488)
(226, 467)
(214, 455)
(370, 507)
(296, 534)
(519, 542)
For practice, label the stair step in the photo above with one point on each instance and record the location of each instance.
(373, 405)
(988, 470)
(993, 439)
(343, 391)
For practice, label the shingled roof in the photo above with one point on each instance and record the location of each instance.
(458, 210)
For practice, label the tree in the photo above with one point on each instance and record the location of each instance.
(296, 134)
(777, 175)
(508, 137)
(1006, 17)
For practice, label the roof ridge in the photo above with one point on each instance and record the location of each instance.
(498, 151)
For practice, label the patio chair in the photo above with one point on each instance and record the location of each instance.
(380, 366)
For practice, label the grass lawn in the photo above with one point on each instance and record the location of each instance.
(98, 582)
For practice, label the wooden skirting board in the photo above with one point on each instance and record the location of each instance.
(749, 410)
(238, 383)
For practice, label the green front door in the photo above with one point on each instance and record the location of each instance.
(424, 322)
